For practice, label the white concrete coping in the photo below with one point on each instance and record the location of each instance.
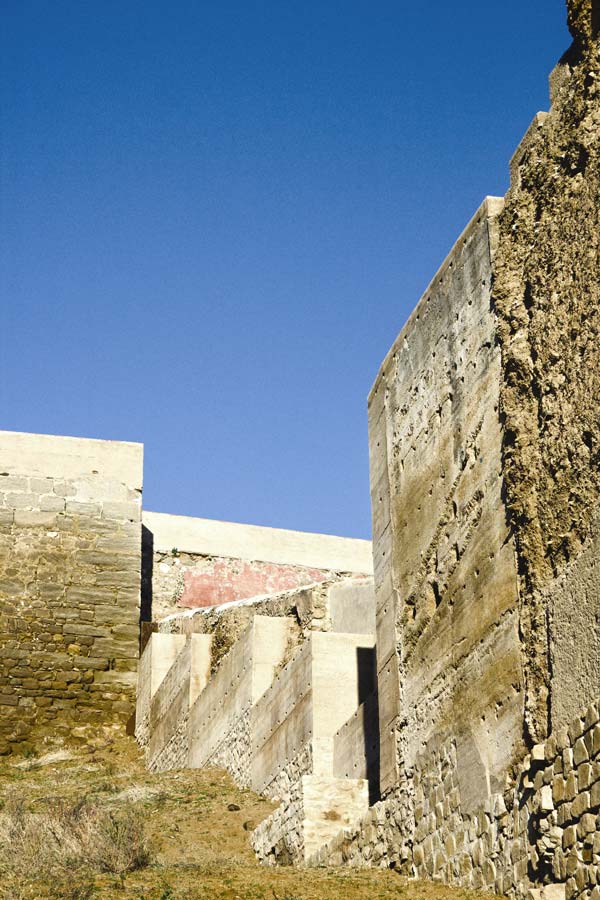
(208, 537)
(48, 455)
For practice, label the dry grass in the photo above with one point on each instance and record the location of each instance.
(64, 844)
(95, 825)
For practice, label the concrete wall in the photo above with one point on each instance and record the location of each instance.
(199, 562)
(70, 540)
(185, 680)
(308, 701)
(573, 602)
(243, 676)
(352, 606)
(446, 584)
(158, 656)
(356, 746)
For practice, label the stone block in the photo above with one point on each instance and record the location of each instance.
(34, 518)
(580, 752)
(80, 508)
(52, 503)
(129, 511)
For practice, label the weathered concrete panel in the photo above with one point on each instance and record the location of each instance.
(352, 607)
(253, 542)
(195, 563)
(242, 677)
(356, 746)
(104, 463)
(159, 655)
(306, 704)
(343, 677)
(574, 603)
(447, 621)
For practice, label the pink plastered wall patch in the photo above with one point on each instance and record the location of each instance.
(234, 579)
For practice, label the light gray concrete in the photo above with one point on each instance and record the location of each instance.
(56, 456)
(574, 603)
(352, 606)
(356, 745)
(159, 654)
(252, 542)
(242, 677)
(448, 647)
(309, 700)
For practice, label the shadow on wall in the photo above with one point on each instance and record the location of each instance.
(368, 697)
(146, 585)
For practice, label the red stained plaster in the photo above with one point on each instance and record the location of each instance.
(234, 579)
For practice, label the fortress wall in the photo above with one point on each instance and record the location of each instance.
(345, 605)
(352, 606)
(168, 746)
(70, 542)
(308, 701)
(343, 677)
(448, 650)
(282, 725)
(158, 656)
(173, 671)
(200, 562)
(573, 603)
(538, 838)
(547, 272)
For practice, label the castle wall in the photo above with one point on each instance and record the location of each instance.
(308, 701)
(547, 271)
(541, 832)
(70, 543)
(356, 746)
(200, 562)
(573, 603)
(448, 649)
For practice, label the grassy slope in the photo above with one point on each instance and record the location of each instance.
(199, 849)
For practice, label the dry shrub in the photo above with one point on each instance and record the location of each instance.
(67, 839)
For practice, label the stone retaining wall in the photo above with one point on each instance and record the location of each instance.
(70, 545)
(542, 830)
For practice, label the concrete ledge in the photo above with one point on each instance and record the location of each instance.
(207, 537)
(55, 456)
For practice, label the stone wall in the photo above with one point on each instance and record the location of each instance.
(485, 489)
(173, 672)
(339, 604)
(70, 543)
(542, 830)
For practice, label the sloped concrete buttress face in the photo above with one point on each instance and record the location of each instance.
(309, 700)
(242, 677)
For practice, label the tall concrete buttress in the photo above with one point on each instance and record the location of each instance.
(485, 482)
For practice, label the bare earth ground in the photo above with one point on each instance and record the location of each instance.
(140, 836)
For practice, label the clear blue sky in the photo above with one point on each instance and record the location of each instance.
(216, 217)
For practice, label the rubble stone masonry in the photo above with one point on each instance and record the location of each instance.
(70, 545)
